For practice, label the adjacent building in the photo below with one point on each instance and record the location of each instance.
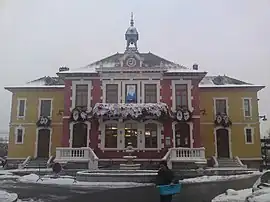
(142, 101)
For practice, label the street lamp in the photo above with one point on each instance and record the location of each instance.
(263, 118)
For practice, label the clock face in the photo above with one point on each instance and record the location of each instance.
(131, 62)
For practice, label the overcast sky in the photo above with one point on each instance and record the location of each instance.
(223, 36)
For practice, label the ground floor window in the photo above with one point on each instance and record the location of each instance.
(249, 135)
(150, 135)
(131, 134)
(19, 135)
(110, 135)
(182, 135)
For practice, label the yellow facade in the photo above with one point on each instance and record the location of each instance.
(237, 144)
(33, 97)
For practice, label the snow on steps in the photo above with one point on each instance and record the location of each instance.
(227, 162)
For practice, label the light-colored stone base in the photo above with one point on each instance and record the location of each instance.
(130, 166)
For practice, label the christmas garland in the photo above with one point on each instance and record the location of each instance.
(222, 120)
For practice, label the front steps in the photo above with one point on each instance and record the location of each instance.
(228, 163)
(37, 163)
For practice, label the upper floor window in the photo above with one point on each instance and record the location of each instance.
(81, 95)
(249, 135)
(131, 93)
(112, 93)
(221, 106)
(19, 135)
(21, 108)
(247, 107)
(181, 98)
(150, 93)
(45, 108)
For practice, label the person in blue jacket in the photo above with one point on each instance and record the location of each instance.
(165, 176)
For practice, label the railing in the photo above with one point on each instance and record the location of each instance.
(185, 154)
(25, 162)
(83, 154)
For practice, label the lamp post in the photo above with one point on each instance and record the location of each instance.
(263, 117)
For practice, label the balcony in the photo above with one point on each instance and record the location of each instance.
(83, 154)
(183, 154)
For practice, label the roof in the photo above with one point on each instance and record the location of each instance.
(43, 82)
(225, 82)
(149, 60)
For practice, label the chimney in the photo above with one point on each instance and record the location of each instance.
(62, 69)
(195, 67)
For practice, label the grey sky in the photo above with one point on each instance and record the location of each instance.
(224, 37)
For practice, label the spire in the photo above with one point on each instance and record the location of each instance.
(131, 20)
(132, 34)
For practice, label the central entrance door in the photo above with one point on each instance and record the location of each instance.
(182, 135)
(79, 135)
(223, 148)
(43, 143)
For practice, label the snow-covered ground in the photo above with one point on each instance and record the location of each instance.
(218, 178)
(241, 195)
(7, 197)
(68, 181)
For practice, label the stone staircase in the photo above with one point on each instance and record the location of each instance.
(228, 163)
(37, 163)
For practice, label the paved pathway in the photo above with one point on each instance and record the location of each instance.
(49, 193)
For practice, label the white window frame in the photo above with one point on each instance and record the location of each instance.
(252, 135)
(81, 82)
(39, 106)
(135, 82)
(104, 84)
(16, 134)
(119, 136)
(36, 142)
(227, 104)
(157, 83)
(18, 107)
(250, 106)
(189, 95)
(159, 128)
(191, 125)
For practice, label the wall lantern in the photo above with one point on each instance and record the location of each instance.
(203, 112)
(263, 118)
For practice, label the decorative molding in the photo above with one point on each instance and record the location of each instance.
(189, 86)
(252, 134)
(157, 83)
(36, 142)
(227, 104)
(104, 83)
(71, 125)
(16, 134)
(18, 108)
(250, 107)
(230, 139)
(81, 82)
(39, 106)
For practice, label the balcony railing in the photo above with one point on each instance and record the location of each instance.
(185, 154)
(83, 154)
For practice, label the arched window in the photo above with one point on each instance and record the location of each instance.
(131, 134)
(150, 134)
(111, 135)
(182, 135)
(79, 135)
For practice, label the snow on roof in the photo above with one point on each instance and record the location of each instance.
(225, 82)
(149, 61)
(43, 82)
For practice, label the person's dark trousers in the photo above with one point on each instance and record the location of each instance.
(165, 198)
